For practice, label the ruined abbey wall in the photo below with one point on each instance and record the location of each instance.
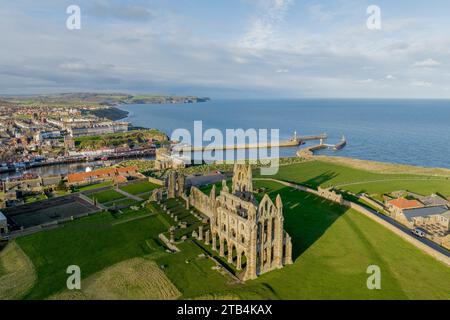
(248, 234)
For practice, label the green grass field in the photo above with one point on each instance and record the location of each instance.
(332, 248)
(93, 186)
(92, 243)
(326, 174)
(122, 203)
(106, 196)
(139, 187)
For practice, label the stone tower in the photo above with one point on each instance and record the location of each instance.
(242, 228)
(175, 183)
(242, 184)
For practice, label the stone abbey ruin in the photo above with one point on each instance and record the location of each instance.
(247, 230)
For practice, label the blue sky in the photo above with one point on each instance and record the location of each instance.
(228, 49)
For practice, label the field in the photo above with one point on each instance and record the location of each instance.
(17, 274)
(106, 196)
(93, 243)
(121, 256)
(93, 186)
(326, 174)
(139, 187)
(133, 279)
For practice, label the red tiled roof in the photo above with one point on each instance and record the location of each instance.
(403, 203)
(101, 173)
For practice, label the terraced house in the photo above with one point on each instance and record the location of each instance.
(108, 174)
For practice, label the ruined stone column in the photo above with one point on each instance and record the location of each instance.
(260, 263)
(200, 233)
(172, 237)
(262, 252)
(269, 242)
(251, 257)
(239, 261)
(221, 249)
(278, 244)
(214, 244)
(230, 253)
(187, 203)
(207, 237)
(288, 257)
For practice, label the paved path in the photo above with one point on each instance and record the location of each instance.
(423, 244)
(128, 195)
(86, 198)
(133, 219)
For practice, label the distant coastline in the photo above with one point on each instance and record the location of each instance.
(104, 105)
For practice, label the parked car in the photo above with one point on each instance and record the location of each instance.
(419, 232)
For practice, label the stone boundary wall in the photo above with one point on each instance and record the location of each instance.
(156, 181)
(409, 238)
(372, 202)
(167, 243)
(46, 226)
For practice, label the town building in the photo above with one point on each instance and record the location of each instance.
(31, 183)
(119, 174)
(95, 129)
(396, 207)
(164, 160)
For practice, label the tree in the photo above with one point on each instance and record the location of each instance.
(61, 185)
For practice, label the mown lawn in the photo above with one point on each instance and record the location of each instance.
(139, 187)
(333, 247)
(92, 243)
(122, 202)
(326, 174)
(106, 196)
(93, 186)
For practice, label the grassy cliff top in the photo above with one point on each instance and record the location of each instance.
(99, 99)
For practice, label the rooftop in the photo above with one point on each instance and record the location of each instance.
(426, 211)
(101, 173)
(403, 203)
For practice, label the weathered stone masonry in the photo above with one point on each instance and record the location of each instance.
(243, 228)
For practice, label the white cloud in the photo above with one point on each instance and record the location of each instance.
(365, 81)
(263, 27)
(424, 84)
(281, 55)
(428, 63)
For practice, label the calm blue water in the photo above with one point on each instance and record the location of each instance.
(413, 132)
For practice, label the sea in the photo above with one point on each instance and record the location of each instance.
(414, 132)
